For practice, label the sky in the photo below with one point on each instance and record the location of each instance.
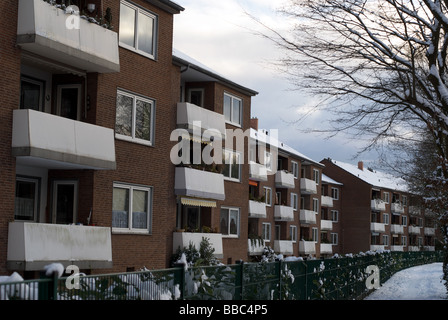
(222, 36)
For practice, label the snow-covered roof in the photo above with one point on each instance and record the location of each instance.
(327, 179)
(263, 136)
(373, 177)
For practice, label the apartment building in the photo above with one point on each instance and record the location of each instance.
(378, 211)
(331, 215)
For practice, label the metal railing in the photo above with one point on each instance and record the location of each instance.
(326, 279)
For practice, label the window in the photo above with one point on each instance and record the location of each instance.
(316, 205)
(295, 169)
(405, 200)
(293, 233)
(268, 196)
(334, 215)
(233, 108)
(386, 218)
(230, 221)
(334, 238)
(268, 160)
(386, 197)
(385, 240)
(404, 220)
(335, 193)
(294, 201)
(31, 94)
(134, 118)
(316, 177)
(138, 29)
(231, 165)
(131, 209)
(26, 199)
(266, 231)
(196, 96)
(404, 241)
(315, 234)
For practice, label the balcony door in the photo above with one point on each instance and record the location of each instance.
(69, 101)
(65, 201)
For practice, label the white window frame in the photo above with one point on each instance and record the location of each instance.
(266, 231)
(385, 240)
(36, 182)
(231, 164)
(295, 169)
(131, 189)
(293, 233)
(316, 205)
(132, 138)
(139, 10)
(386, 220)
(404, 220)
(315, 234)
(335, 193)
(268, 160)
(386, 197)
(294, 201)
(268, 200)
(238, 225)
(316, 176)
(404, 241)
(334, 238)
(335, 215)
(232, 120)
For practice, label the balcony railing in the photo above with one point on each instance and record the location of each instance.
(307, 247)
(31, 246)
(377, 227)
(429, 231)
(396, 229)
(183, 239)
(257, 209)
(397, 248)
(197, 119)
(308, 186)
(376, 247)
(47, 31)
(283, 213)
(378, 205)
(255, 247)
(307, 216)
(284, 179)
(258, 172)
(397, 207)
(199, 183)
(326, 248)
(414, 230)
(326, 225)
(60, 143)
(326, 201)
(283, 247)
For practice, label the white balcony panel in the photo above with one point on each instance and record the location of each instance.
(326, 225)
(414, 210)
(429, 231)
(283, 213)
(307, 247)
(396, 229)
(199, 184)
(413, 248)
(42, 29)
(308, 186)
(197, 119)
(429, 248)
(326, 201)
(283, 247)
(414, 230)
(377, 227)
(376, 247)
(46, 140)
(397, 208)
(258, 172)
(326, 248)
(31, 246)
(378, 205)
(183, 239)
(257, 209)
(284, 179)
(396, 248)
(307, 216)
(255, 247)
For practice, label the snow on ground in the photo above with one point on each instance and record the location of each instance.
(417, 283)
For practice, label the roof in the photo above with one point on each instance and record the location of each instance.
(264, 136)
(327, 179)
(373, 177)
(167, 5)
(196, 68)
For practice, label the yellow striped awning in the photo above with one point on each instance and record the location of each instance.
(198, 202)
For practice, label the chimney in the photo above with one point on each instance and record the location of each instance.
(361, 165)
(254, 123)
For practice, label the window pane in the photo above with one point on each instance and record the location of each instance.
(120, 208)
(140, 209)
(25, 200)
(226, 164)
(30, 97)
(123, 124)
(127, 25)
(224, 221)
(236, 114)
(143, 120)
(235, 166)
(233, 227)
(227, 107)
(145, 31)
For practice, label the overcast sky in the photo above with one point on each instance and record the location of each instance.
(218, 34)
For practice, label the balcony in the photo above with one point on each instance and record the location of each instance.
(429, 231)
(307, 247)
(284, 179)
(378, 205)
(255, 247)
(257, 209)
(31, 246)
(397, 208)
(53, 142)
(326, 225)
(414, 210)
(283, 213)
(284, 247)
(199, 184)
(326, 201)
(48, 31)
(397, 248)
(414, 230)
(396, 229)
(307, 216)
(183, 239)
(258, 172)
(326, 248)
(308, 186)
(376, 247)
(196, 119)
(377, 227)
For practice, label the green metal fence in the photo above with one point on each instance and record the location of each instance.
(327, 279)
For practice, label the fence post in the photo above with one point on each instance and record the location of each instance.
(239, 280)
(48, 290)
(279, 277)
(180, 278)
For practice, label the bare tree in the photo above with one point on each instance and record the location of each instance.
(381, 65)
